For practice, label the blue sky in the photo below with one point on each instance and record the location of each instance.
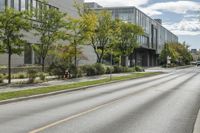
(182, 17)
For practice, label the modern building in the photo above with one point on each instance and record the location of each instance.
(29, 56)
(152, 42)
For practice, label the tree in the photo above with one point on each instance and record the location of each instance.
(178, 52)
(13, 24)
(49, 30)
(126, 39)
(102, 34)
(79, 30)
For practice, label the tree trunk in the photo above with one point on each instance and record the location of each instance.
(43, 64)
(99, 60)
(123, 60)
(135, 59)
(131, 60)
(9, 67)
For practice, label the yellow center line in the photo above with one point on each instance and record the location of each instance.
(75, 116)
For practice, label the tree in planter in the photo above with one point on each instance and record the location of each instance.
(49, 29)
(12, 26)
(126, 39)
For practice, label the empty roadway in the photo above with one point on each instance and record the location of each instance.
(166, 103)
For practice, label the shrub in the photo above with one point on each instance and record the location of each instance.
(100, 69)
(79, 72)
(139, 69)
(42, 76)
(73, 71)
(91, 70)
(32, 74)
(1, 78)
(58, 69)
(118, 69)
(109, 69)
(131, 69)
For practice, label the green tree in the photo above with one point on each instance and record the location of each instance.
(49, 30)
(178, 52)
(13, 25)
(101, 34)
(126, 39)
(79, 30)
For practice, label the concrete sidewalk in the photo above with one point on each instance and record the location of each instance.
(16, 87)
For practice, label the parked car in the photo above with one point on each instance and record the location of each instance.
(198, 63)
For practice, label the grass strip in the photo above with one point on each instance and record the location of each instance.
(44, 90)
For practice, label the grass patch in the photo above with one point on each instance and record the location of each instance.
(43, 90)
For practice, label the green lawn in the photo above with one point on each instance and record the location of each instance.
(43, 90)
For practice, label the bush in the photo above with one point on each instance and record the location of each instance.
(118, 69)
(73, 71)
(109, 69)
(100, 69)
(80, 72)
(90, 70)
(1, 78)
(139, 69)
(32, 74)
(42, 76)
(58, 69)
(22, 75)
(131, 69)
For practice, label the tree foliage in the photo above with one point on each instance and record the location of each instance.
(49, 30)
(178, 52)
(126, 35)
(101, 33)
(13, 25)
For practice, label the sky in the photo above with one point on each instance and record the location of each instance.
(182, 17)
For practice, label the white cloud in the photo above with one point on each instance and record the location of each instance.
(180, 7)
(184, 27)
(119, 2)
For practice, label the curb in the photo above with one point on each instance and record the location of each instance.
(197, 124)
(49, 94)
(63, 91)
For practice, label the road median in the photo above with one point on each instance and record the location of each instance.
(9, 97)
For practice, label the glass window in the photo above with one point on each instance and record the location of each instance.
(16, 4)
(2, 5)
(9, 3)
(34, 4)
(23, 5)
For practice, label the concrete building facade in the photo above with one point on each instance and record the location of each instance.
(29, 56)
(152, 42)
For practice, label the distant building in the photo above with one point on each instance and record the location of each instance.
(152, 42)
(194, 51)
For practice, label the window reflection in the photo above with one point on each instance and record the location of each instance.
(23, 5)
(2, 5)
(16, 4)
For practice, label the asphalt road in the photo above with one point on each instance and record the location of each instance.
(166, 103)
